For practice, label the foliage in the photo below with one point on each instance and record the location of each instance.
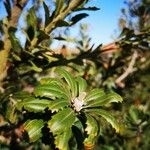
(45, 106)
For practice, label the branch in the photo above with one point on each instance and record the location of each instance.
(72, 5)
(129, 70)
(4, 53)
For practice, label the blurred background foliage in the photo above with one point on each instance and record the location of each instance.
(122, 66)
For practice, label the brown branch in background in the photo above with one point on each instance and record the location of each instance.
(128, 71)
(4, 53)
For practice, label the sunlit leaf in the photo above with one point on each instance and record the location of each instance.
(50, 91)
(104, 100)
(82, 84)
(33, 128)
(92, 129)
(106, 115)
(62, 140)
(58, 104)
(62, 120)
(69, 79)
(33, 104)
(94, 94)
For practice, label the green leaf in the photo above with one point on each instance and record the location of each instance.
(69, 79)
(94, 94)
(62, 23)
(33, 104)
(35, 67)
(104, 100)
(51, 91)
(62, 120)
(32, 18)
(47, 14)
(33, 128)
(78, 17)
(89, 9)
(11, 114)
(106, 115)
(92, 130)
(62, 140)
(82, 85)
(58, 104)
(59, 6)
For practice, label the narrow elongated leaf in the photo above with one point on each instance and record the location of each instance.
(62, 23)
(33, 128)
(69, 79)
(106, 115)
(33, 104)
(59, 6)
(62, 120)
(82, 85)
(94, 94)
(32, 18)
(62, 140)
(92, 130)
(50, 91)
(47, 14)
(88, 8)
(58, 104)
(104, 100)
(78, 17)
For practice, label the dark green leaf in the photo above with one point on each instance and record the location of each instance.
(78, 17)
(89, 9)
(47, 14)
(62, 23)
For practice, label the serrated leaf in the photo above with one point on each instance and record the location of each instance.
(69, 79)
(82, 85)
(51, 91)
(106, 115)
(58, 104)
(104, 100)
(92, 130)
(94, 94)
(78, 17)
(21, 95)
(62, 120)
(33, 104)
(62, 140)
(33, 128)
(56, 81)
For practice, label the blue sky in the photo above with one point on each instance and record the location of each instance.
(103, 24)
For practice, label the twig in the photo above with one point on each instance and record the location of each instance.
(129, 70)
